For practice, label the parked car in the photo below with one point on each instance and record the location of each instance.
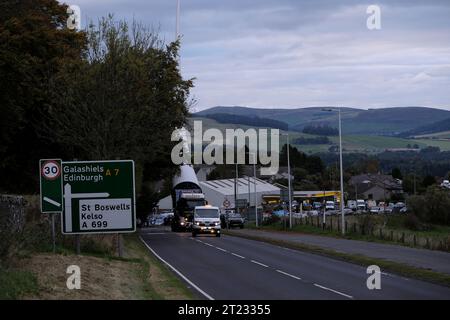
(159, 221)
(232, 220)
(352, 204)
(313, 213)
(348, 211)
(376, 210)
(361, 205)
(329, 205)
(317, 205)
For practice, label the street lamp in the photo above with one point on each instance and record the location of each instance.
(254, 187)
(289, 179)
(341, 169)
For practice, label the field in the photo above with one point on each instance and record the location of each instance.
(351, 143)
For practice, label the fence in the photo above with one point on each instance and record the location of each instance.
(376, 231)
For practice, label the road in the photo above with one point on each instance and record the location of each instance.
(236, 268)
(421, 258)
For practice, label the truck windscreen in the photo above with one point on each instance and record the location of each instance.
(207, 213)
(195, 203)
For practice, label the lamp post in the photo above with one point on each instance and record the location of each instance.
(289, 179)
(341, 169)
(254, 186)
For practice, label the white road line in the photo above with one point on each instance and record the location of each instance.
(221, 249)
(199, 241)
(208, 244)
(236, 255)
(207, 296)
(261, 264)
(337, 292)
(289, 275)
(154, 233)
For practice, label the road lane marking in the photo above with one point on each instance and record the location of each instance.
(289, 275)
(337, 292)
(207, 296)
(221, 249)
(236, 255)
(154, 233)
(208, 244)
(261, 264)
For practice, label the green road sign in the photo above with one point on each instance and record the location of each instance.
(99, 197)
(51, 186)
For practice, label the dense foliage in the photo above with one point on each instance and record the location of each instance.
(113, 91)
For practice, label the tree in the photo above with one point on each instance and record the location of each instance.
(432, 207)
(396, 173)
(123, 100)
(34, 45)
(428, 181)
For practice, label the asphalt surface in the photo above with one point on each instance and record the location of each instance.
(236, 268)
(428, 259)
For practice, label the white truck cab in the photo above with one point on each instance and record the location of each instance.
(206, 220)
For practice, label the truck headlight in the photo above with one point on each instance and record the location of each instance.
(217, 223)
(197, 223)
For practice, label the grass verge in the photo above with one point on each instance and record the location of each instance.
(15, 283)
(137, 275)
(161, 283)
(385, 265)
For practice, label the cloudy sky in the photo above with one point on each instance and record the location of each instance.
(295, 53)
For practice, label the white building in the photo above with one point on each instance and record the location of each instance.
(221, 192)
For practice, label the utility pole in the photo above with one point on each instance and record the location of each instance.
(289, 183)
(235, 188)
(254, 177)
(342, 175)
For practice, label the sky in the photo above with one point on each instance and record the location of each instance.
(298, 53)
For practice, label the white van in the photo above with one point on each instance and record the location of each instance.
(206, 220)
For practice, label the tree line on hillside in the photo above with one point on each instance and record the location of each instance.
(248, 121)
(321, 130)
(112, 91)
(440, 126)
(310, 141)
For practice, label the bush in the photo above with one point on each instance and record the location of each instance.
(412, 222)
(432, 207)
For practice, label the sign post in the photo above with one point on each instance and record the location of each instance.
(51, 197)
(99, 197)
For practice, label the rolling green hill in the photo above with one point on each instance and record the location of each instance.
(351, 143)
(385, 121)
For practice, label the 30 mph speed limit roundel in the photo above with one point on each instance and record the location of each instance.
(51, 170)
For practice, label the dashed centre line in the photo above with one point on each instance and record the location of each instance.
(288, 274)
(259, 263)
(337, 292)
(279, 271)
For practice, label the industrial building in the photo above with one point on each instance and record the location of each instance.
(220, 193)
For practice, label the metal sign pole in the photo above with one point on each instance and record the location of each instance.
(53, 233)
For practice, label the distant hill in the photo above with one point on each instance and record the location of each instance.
(435, 127)
(254, 121)
(386, 121)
